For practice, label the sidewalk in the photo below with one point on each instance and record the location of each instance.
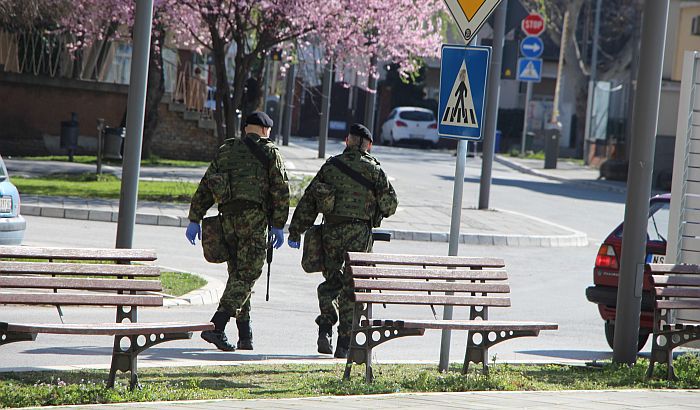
(569, 399)
(425, 222)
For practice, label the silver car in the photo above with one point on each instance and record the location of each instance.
(12, 224)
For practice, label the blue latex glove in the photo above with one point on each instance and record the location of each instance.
(293, 244)
(277, 237)
(193, 231)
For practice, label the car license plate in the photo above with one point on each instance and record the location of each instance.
(416, 136)
(651, 258)
(5, 204)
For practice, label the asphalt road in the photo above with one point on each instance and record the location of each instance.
(547, 283)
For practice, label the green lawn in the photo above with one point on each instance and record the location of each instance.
(88, 185)
(180, 283)
(91, 159)
(299, 380)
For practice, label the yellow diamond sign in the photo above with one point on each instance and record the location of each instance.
(470, 15)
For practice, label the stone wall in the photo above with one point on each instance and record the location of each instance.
(33, 108)
(177, 138)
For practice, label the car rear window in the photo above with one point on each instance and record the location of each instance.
(416, 116)
(657, 224)
(3, 173)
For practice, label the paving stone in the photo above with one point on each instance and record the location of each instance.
(421, 236)
(165, 220)
(30, 210)
(76, 214)
(51, 212)
(104, 216)
(146, 219)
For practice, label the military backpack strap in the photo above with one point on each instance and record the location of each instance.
(257, 152)
(356, 176)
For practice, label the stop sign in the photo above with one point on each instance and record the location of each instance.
(533, 24)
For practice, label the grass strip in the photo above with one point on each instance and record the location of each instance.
(107, 186)
(301, 380)
(180, 283)
(153, 161)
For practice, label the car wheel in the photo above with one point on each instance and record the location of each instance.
(610, 336)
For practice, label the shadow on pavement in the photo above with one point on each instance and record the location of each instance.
(569, 189)
(170, 354)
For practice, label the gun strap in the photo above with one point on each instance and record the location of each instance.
(257, 152)
(356, 176)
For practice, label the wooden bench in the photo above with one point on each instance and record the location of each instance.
(479, 283)
(674, 287)
(68, 282)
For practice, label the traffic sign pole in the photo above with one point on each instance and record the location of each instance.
(528, 97)
(492, 102)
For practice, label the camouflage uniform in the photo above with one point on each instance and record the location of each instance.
(246, 194)
(348, 228)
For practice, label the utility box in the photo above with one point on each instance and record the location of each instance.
(69, 135)
(552, 133)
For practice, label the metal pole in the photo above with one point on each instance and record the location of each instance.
(646, 110)
(492, 101)
(371, 100)
(454, 242)
(325, 109)
(288, 101)
(528, 97)
(266, 68)
(590, 112)
(136, 106)
(100, 138)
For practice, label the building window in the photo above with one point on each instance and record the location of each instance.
(695, 29)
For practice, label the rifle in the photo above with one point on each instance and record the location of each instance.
(269, 260)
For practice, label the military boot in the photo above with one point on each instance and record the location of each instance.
(341, 351)
(218, 335)
(245, 335)
(325, 335)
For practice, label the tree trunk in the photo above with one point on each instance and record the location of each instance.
(154, 91)
(223, 115)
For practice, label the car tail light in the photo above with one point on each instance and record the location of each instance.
(607, 259)
(433, 125)
(401, 124)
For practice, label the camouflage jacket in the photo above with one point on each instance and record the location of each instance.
(236, 175)
(351, 199)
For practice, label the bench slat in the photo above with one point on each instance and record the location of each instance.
(684, 280)
(418, 273)
(80, 299)
(77, 269)
(678, 304)
(678, 292)
(430, 286)
(87, 254)
(479, 325)
(34, 282)
(431, 299)
(670, 268)
(107, 329)
(423, 260)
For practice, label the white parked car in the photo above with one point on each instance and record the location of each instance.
(12, 224)
(410, 124)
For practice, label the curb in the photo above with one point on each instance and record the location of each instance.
(574, 239)
(526, 170)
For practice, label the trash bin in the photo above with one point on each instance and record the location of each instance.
(497, 145)
(552, 132)
(113, 145)
(69, 135)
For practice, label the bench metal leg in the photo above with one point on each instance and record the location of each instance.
(361, 351)
(12, 337)
(478, 344)
(665, 341)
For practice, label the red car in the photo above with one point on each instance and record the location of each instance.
(607, 267)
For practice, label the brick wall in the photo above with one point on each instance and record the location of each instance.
(177, 138)
(33, 108)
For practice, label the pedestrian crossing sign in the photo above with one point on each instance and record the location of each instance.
(530, 69)
(463, 75)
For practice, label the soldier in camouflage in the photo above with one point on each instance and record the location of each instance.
(251, 194)
(346, 228)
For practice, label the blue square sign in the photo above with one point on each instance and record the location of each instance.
(463, 75)
(530, 69)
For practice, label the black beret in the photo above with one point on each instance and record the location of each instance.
(259, 118)
(361, 131)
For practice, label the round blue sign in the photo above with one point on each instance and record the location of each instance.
(531, 47)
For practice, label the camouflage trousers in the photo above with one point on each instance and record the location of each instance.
(246, 236)
(337, 290)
